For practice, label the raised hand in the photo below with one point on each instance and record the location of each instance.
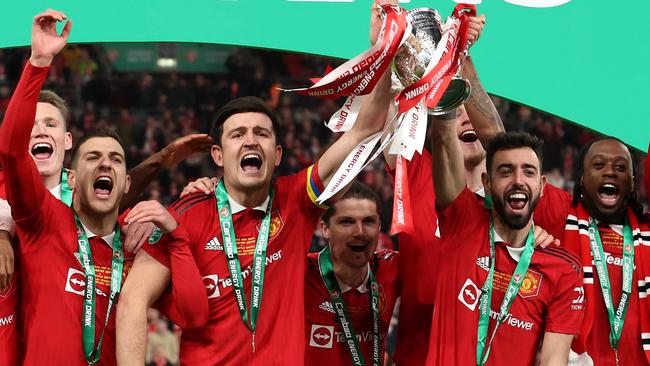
(137, 234)
(543, 238)
(153, 212)
(183, 147)
(375, 19)
(205, 185)
(475, 28)
(46, 42)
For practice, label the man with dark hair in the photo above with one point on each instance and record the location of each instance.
(526, 296)
(253, 236)
(79, 246)
(605, 227)
(350, 290)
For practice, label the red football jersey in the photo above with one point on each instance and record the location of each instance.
(418, 256)
(52, 277)
(225, 340)
(325, 342)
(549, 300)
(630, 350)
(8, 300)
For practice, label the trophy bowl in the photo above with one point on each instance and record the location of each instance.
(412, 59)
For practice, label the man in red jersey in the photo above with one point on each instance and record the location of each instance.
(484, 284)
(350, 291)
(605, 227)
(80, 246)
(418, 249)
(253, 235)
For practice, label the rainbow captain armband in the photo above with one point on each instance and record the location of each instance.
(314, 185)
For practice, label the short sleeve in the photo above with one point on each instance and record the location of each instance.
(463, 214)
(6, 222)
(566, 309)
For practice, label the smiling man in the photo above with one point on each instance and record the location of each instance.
(496, 296)
(605, 227)
(350, 291)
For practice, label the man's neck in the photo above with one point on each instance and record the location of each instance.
(100, 224)
(52, 181)
(514, 238)
(352, 277)
(249, 199)
(473, 176)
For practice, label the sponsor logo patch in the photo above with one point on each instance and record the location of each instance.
(322, 336)
(469, 295)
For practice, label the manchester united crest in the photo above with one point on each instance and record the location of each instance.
(530, 284)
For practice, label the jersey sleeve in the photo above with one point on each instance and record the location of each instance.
(566, 309)
(552, 210)
(465, 213)
(6, 222)
(302, 189)
(24, 187)
(186, 303)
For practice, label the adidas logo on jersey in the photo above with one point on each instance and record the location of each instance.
(213, 244)
(327, 306)
(483, 262)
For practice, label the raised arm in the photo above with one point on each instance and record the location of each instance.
(447, 160)
(172, 154)
(480, 108)
(24, 186)
(372, 116)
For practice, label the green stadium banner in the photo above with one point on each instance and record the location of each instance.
(582, 60)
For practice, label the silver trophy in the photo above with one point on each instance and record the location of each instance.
(414, 55)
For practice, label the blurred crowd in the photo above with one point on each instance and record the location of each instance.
(151, 109)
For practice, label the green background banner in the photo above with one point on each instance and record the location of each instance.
(584, 60)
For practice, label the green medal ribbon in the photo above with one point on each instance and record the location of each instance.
(616, 317)
(351, 341)
(510, 295)
(259, 258)
(66, 192)
(88, 312)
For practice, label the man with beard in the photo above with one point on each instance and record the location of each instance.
(250, 240)
(605, 227)
(496, 296)
(79, 246)
(350, 290)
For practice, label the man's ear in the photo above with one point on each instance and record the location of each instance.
(217, 155)
(71, 178)
(324, 230)
(487, 186)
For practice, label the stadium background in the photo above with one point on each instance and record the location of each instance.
(153, 93)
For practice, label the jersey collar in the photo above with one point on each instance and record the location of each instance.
(235, 207)
(362, 288)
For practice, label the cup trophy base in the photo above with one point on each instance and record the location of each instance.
(456, 94)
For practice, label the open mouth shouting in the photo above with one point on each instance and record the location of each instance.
(608, 195)
(358, 247)
(103, 186)
(517, 200)
(42, 150)
(468, 136)
(251, 163)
